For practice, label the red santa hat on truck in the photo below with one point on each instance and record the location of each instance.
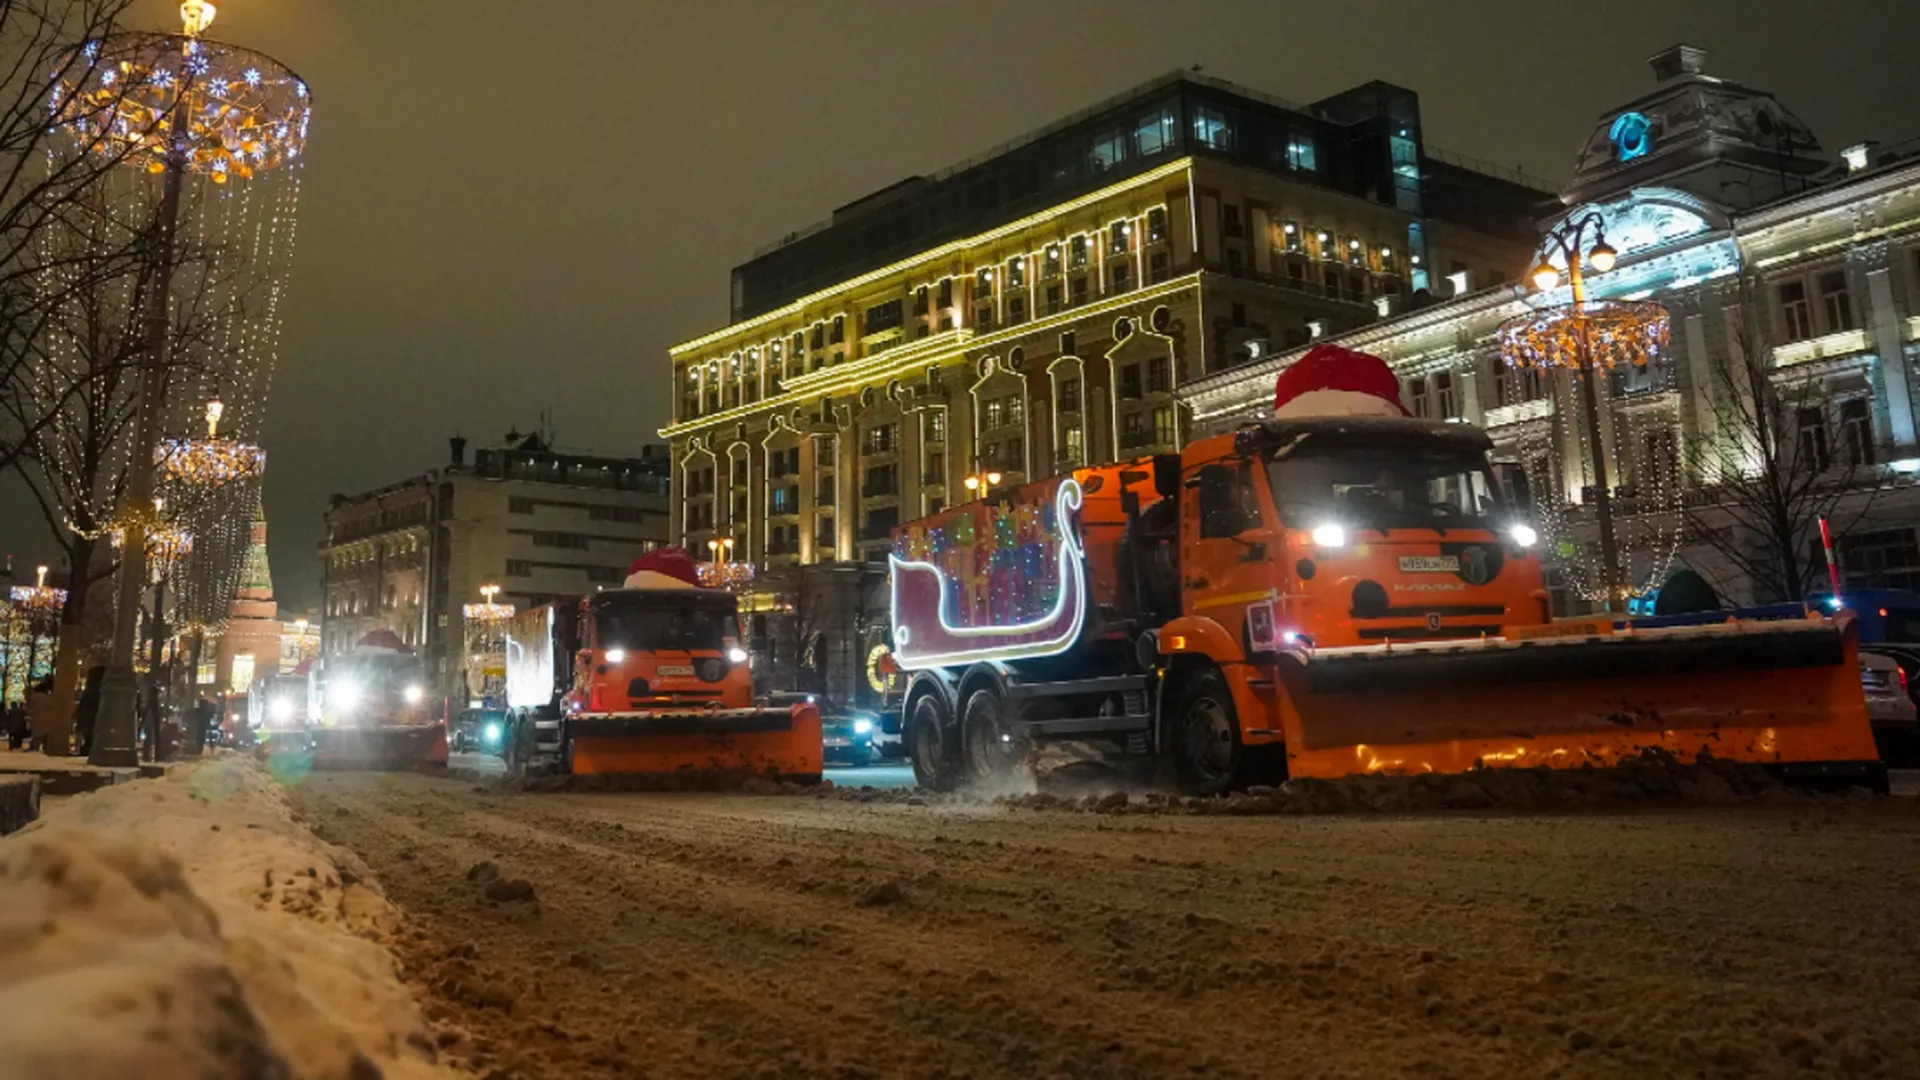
(1331, 381)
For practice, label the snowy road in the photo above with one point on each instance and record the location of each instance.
(878, 776)
(809, 938)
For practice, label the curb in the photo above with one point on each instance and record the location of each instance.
(19, 802)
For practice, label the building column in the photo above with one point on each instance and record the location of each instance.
(1893, 359)
(1707, 434)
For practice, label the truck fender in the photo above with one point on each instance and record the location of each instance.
(940, 682)
(1199, 635)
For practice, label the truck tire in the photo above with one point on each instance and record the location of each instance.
(988, 747)
(928, 737)
(1207, 750)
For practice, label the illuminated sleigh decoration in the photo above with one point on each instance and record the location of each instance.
(928, 633)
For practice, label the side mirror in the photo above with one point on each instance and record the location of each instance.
(1166, 475)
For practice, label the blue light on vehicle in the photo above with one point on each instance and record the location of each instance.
(863, 726)
(491, 732)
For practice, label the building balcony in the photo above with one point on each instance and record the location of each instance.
(1844, 343)
(1517, 413)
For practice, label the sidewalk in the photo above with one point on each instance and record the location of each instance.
(189, 927)
(69, 775)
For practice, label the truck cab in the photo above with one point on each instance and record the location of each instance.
(639, 649)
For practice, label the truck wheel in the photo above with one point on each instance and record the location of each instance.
(988, 746)
(1206, 736)
(930, 745)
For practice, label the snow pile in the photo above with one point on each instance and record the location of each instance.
(189, 927)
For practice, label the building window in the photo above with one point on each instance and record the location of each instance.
(1159, 375)
(1054, 300)
(1294, 240)
(881, 317)
(839, 333)
(880, 523)
(946, 292)
(880, 438)
(516, 568)
(1812, 424)
(1133, 431)
(1796, 316)
(1069, 395)
(785, 500)
(1417, 394)
(1443, 395)
(1163, 426)
(572, 541)
(518, 505)
(1856, 431)
(1017, 273)
(1210, 128)
(1300, 153)
(1050, 261)
(1122, 274)
(1236, 263)
(1068, 344)
(983, 318)
(824, 491)
(1109, 150)
(1160, 267)
(937, 427)
(819, 335)
(983, 283)
(1230, 220)
(1079, 290)
(740, 473)
(1016, 310)
(993, 415)
(1835, 303)
(1155, 133)
(1881, 559)
(1156, 225)
(1074, 450)
(1077, 252)
(882, 480)
(1129, 381)
(920, 300)
(936, 474)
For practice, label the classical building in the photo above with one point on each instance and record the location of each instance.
(540, 524)
(1725, 210)
(1045, 307)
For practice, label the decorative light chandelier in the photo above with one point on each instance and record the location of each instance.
(209, 462)
(39, 600)
(155, 100)
(487, 614)
(1617, 332)
(725, 575)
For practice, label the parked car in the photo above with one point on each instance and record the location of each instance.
(479, 731)
(1887, 674)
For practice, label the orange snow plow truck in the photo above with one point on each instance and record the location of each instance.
(1321, 597)
(650, 681)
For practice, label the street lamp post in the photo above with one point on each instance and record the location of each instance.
(981, 482)
(1568, 241)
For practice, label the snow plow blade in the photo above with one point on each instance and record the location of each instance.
(774, 742)
(382, 748)
(1786, 695)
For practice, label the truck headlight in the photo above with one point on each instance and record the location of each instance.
(1329, 535)
(414, 695)
(736, 655)
(1524, 535)
(615, 656)
(281, 709)
(344, 694)
(863, 726)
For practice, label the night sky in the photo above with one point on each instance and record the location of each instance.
(513, 205)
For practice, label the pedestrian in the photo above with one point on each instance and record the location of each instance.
(203, 714)
(40, 712)
(89, 708)
(16, 718)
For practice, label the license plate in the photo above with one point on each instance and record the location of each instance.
(668, 671)
(1429, 564)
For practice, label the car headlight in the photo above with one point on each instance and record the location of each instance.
(1524, 535)
(1329, 535)
(414, 695)
(863, 726)
(737, 655)
(491, 732)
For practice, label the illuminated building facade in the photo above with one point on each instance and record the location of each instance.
(1044, 307)
(540, 524)
(1725, 210)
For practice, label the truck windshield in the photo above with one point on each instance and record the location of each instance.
(377, 673)
(1392, 488)
(651, 622)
